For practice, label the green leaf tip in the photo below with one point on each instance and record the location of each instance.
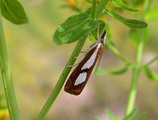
(74, 28)
(131, 115)
(110, 114)
(142, 117)
(150, 73)
(96, 118)
(115, 71)
(128, 22)
(13, 11)
(120, 4)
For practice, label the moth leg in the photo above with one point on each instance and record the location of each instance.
(81, 55)
(83, 51)
(74, 65)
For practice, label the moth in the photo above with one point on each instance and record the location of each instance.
(79, 77)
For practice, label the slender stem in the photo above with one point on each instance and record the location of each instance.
(147, 4)
(136, 70)
(152, 61)
(93, 10)
(6, 75)
(61, 80)
(114, 50)
(133, 91)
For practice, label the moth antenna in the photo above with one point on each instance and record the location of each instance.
(93, 36)
(98, 32)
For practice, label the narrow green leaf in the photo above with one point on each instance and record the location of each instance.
(120, 4)
(74, 28)
(152, 14)
(119, 71)
(116, 71)
(13, 11)
(110, 115)
(128, 22)
(137, 34)
(142, 117)
(131, 115)
(151, 74)
(96, 118)
(100, 71)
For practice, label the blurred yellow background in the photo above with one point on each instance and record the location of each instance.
(36, 63)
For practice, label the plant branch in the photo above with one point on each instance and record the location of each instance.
(62, 79)
(7, 77)
(116, 52)
(136, 70)
(93, 10)
(153, 60)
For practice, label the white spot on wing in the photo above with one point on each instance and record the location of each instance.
(81, 78)
(91, 60)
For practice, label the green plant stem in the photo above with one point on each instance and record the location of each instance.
(154, 59)
(61, 80)
(114, 50)
(93, 10)
(136, 71)
(147, 4)
(6, 76)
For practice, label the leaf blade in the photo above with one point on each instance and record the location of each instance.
(110, 114)
(131, 115)
(13, 11)
(150, 73)
(96, 118)
(114, 71)
(71, 31)
(128, 22)
(142, 117)
(122, 5)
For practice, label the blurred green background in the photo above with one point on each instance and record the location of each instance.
(36, 64)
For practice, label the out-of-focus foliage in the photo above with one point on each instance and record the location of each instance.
(152, 14)
(37, 62)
